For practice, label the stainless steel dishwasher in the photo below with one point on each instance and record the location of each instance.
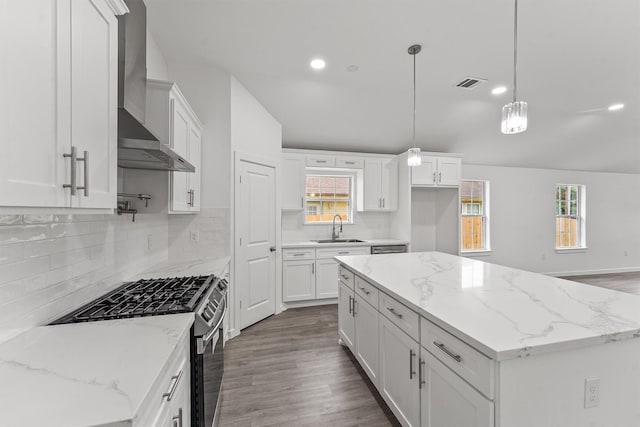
(388, 249)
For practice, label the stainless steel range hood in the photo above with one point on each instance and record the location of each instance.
(138, 147)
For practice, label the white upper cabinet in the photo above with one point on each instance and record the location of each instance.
(59, 85)
(380, 184)
(293, 181)
(172, 119)
(437, 172)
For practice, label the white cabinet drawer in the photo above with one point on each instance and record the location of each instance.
(460, 357)
(349, 162)
(321, 161)
(367, 291)
(303, 253)
(405, 318)
(342, 251)
(346, 276)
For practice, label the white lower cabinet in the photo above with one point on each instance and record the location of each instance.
(447, 400)
(367, 337)
(398, 385)
(312, 274)
(298, 278)
(346, 320)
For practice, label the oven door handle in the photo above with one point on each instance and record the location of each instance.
(204, 341)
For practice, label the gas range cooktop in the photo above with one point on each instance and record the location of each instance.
(149, 297)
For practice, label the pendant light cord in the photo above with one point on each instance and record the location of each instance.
(515, 49)
(414, 101)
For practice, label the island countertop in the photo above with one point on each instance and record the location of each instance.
(504, 312)
(85, 374)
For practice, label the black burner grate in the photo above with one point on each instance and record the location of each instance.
(150, 297)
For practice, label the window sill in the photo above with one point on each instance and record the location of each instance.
(483, 252)
(571, 250)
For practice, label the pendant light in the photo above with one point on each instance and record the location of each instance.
(414, 158)
(514, 114)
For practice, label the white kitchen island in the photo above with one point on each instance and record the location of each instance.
(450, 341)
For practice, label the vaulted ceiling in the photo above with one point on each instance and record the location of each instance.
(576, 57)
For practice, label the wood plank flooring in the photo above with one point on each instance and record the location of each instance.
(623, 282)
(289, 370)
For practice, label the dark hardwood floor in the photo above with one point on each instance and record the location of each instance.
(624, 282)
(289, 370)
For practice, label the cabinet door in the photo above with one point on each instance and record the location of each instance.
(449, 171)
(399, 373)
(180, 196)
(195, 156)
(94, 80)
(293, 182)
(447, 400)
(298, 280)
(346, 320)
(425, 174)
(372, 180)
(34, 111)
(367, 338)
(389, 184)
(326, 278)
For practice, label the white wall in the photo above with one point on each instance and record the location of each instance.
(156, 64)
(523, 219)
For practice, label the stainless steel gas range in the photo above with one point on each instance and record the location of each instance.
(205, 296)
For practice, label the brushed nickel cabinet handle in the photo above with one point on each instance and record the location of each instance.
(434, 177)
(350, 163)
(439, 176)
(74, 164)
(85, 159)
(364, 290)
(321, 161)
(177, 420)
(448, 352)
(411, 371)
(349, 304)
(174, 385)
(421, 380)
(393, 311)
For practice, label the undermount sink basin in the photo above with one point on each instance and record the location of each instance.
(339, 241)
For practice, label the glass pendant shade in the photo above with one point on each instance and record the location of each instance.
(414, 158)
(514, 117)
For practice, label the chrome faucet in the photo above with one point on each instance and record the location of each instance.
(335, 234)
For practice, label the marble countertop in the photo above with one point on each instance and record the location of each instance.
(199, 267)
(85, 374)
(365, 242)
(503, 312)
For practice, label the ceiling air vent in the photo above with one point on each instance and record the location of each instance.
(470, 83)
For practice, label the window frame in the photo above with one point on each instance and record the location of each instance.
(332, 173)
(486, 219)
(580, 216)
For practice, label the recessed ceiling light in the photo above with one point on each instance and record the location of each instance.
(615, 107)
(318, 64)
(499, 90)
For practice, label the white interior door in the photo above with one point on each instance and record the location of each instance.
(256, 231)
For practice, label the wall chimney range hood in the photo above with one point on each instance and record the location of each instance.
(138, 147)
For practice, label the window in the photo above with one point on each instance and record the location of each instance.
(570, 216)
(327, 196)
(474, 215)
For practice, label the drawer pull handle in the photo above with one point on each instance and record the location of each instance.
(298, 254)
(174, 385)
(343, 253)
(350, 163)
(364, 290)
(393, 311)
(448, 352)
(345, 277)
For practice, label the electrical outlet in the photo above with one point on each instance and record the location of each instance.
(194, 236)
(591, 392)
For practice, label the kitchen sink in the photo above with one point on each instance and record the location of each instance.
(339, 241)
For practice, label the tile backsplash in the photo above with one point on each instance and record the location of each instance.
(51, 264)
(367, 225)
(202, 235)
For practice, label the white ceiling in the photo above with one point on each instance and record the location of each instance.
(576, 57)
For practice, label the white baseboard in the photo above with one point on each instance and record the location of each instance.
(593, 272)
(310, 303)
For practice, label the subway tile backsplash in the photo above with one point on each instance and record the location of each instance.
(203, 235)
(51, 264)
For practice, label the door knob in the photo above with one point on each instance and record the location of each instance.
(272, 249)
